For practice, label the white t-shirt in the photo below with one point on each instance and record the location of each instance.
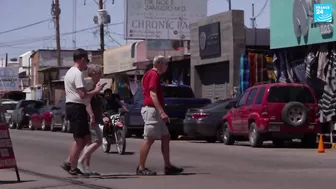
(73, 80)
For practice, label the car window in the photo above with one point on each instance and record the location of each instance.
(217, 103)
(230, 105)
(177, 92)
(9, 106)
(285, 94)
(32, 104)
(260, 95)
(242, 100)
(250, 98)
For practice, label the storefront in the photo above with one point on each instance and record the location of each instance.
(178, 71)
(304, 47)
(217, 44)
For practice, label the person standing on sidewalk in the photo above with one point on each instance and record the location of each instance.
(95, 109)
(155, 119)
(76, 101)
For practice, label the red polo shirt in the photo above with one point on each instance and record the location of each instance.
(151, 80)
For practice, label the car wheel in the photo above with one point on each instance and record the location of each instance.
(219, 134)
(68, 127)
(64, 125)
(278, 143)
(255, 137)
(44, 127)
(228, 138)
(52, 125)
(30, 125)
(294, 114)
(12, 125)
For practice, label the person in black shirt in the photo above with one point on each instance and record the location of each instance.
(112, 102)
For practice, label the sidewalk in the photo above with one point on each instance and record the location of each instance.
(8, 181)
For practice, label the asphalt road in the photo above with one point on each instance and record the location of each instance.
(39, 155)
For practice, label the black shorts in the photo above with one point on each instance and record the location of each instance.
(78, 118)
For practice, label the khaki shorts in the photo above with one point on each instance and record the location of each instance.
(96, 134)
(154, 126)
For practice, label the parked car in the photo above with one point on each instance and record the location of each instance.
(177, 99)
(21, 114)
(278, 112)
(206, 122)
(41, 119)
(9, 106)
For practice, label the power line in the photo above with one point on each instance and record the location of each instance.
(38, 39)
(262, 9)
(26, 26)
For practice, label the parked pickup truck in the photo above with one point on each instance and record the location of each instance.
(178, 99)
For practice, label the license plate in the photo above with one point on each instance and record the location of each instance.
(311, 126)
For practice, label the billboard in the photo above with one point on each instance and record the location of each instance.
(9, 79)
(162, 19)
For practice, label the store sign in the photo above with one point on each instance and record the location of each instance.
(9, 79)
(323, 13)
(209, 41)
(162, 19)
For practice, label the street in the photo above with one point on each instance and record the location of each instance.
(216, 166)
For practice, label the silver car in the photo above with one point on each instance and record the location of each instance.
(9, 107)
(206, 122)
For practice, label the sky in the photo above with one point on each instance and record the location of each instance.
(17, 13)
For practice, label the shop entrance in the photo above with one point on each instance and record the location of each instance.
(214, 78)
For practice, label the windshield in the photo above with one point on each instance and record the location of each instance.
(177, 92)
(290, 93)
(32, 104)
(9, 106)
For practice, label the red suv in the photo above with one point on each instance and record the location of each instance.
(276, 111)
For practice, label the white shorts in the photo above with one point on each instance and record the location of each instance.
(154, 126)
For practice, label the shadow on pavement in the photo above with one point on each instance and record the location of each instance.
(125, 154)
(127, 176)
(287, 145)
(14, 181)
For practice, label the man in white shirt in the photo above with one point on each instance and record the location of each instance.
(76, 101)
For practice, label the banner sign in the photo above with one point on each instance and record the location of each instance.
(7, 157)
(9, 79)
(162, 19)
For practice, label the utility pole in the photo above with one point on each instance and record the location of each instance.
(58, 40)
(253, 23)
(102, 43)
(229, 1)
(6, 63)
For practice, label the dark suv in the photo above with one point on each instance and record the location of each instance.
(278, 112)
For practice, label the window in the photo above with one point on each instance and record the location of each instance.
(9, 106)
(217, 103)
(251, 97)
(177, 92)
(260, 95)
(231, 105)
(31, 104)
(243, 99)
(290, 93)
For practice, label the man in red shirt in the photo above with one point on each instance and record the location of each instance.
(155, 118)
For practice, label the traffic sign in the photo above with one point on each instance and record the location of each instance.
(7, 157)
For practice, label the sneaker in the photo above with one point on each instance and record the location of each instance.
(88, 170)
(81, 167)
(145, 172)
(77, 172)
(66, 166)
(173, 170)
